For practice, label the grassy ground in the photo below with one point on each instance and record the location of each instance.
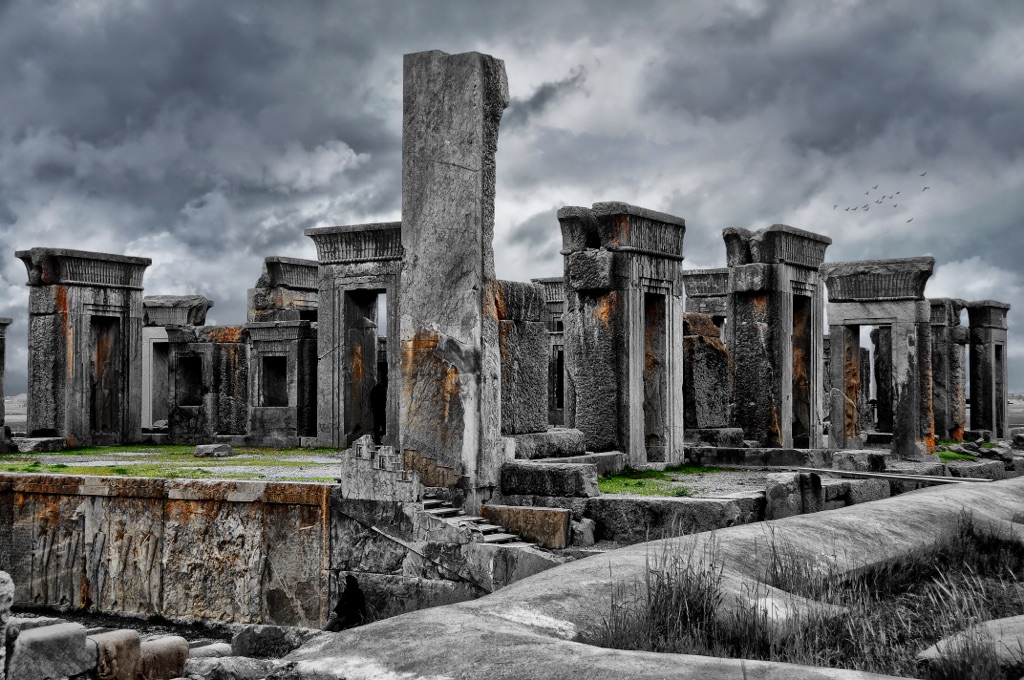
(176, 462)
(887, 614)
(653, 482)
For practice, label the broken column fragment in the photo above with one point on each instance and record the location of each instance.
(707, 292)
(524, 344)
(85, 345)
(158, 312)
(888, 294)
(707, 381)
(989, 366)
(287, 290)
(450, 394)
(554, 308)
(948, 376)
(774, 333)
(623, 329)
(359, 270)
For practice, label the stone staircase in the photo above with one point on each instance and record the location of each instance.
(482, 530)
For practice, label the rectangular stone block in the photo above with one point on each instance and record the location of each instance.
(782, 493)
(163, 657)
(545, 479)
(57, 651)
(591, 270)
(606, 462)
(548, 527)
(864, 490)
(632, 519)
(524, 376)
(553, 443)
(520, 301)
(117, 654)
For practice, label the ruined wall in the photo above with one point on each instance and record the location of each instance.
(989, 360)
(85, 345)
(707, 382)
(245, 552)
(525, 346)
(949, 399)
(287, 290)
(282, 383)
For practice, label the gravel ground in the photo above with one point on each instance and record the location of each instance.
(714, 484)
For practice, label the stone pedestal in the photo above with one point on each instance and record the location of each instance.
(287, 290)
(524, 344)
(359, 268)
(774, 332)
(85, 345)
(160, 311)
(888, 294)
(949, 401)
(208, 375)
(988, 366)
(450, 395)
(282, 383)
(554, 309)
(623, 329)
(707, 381)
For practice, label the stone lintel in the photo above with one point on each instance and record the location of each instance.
(554, 288)
(281, 330)
(177, 310)
(5, 321)
(358, 242)
(220, 334)
(880, 313)
(867, 280)
(946, 311)
(289, 272)
(706, 282)
(630, 228)
(987, 314)
(777, 244)
(61, 266)
(579, 228)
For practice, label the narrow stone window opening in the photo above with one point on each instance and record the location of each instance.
(190, 381)
(274, 381)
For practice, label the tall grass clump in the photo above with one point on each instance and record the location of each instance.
(876, 620)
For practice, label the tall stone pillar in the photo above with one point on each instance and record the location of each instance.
(884, 293)
(844, 365)
(624, 329)
(774, 331)
(881, 339)
(524, 343)
(450, 397)
(867, 419)
(85, 345)
(948, 398)
(989, 392)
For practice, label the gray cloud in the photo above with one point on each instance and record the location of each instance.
(520, 111)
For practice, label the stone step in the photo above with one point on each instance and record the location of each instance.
(500, 538)
(432, 503)
(443, 512)
(488, 528)
(472, 519)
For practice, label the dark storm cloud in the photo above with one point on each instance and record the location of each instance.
(520, 111)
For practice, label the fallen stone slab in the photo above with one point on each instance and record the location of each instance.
(729, 437)
(162, 658)
(230, 668)
(861, 461)
(1006, 635)
(209, 650)
(213, 451)
(547, 527)
(40, 444)
(549, 479)
(57, 651)
(631, 519)
(607, 462)
(269, 642)
(981, 469)
(117, 654)
(554, 443)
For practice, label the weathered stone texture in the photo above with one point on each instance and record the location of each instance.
(554, 443)
(948, 374)
(524, 376)
(6, 600)
(286, 291)
(989, 360)
(57, 651)
(175, 310)
(451, 364)
(117, 654)
(269, 642)
(632, 519)
(162, 658)
(548, 527)
(707, 381)
(282, 383)
(549, 479)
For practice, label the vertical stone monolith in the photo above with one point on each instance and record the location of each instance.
(948, 394)
(450, 396)
(524, 343)
(988, 366)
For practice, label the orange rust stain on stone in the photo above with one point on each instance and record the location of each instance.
(958, 432)
(226, 334)
(606, 306)
(495, 305)
(621, 231)
(451, 388)
(760, 302)
(358, 370)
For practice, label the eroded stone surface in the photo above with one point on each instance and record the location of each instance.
(549, 479)
(548, 527)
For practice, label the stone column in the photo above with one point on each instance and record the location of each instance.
(881, 339)
(450, 397)
(948, 400)
(989, 392)
(774, 330)
(623, 329)
(890, 294)
(85, 345)
(554, 309)
(844, 364)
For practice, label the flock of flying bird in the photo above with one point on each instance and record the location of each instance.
(879, 201)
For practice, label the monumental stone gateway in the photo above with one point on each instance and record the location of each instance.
(988, 366)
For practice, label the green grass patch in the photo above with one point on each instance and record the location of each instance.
(948, 456)
(949, 442)
(652, 482)
(989, 445)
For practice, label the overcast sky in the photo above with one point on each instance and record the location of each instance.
(208, 135)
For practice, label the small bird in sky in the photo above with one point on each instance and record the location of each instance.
(855, 208)
(926, 189)
(875, 187)
(897, 193)
(865, 206)
(866, 193)
(835, 206)
(895, 204)
(922, 174)
(910, 220)
(847, 208)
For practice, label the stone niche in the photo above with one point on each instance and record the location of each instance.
(282, 382)
(554, 308)
(988, 366)
(159, 312)
(949, 374)
(85, 345)
(774, 333)
(888, 295)
(208, 376)
(287, 290)
(623, 329)
(359, 267)
(707, 292)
